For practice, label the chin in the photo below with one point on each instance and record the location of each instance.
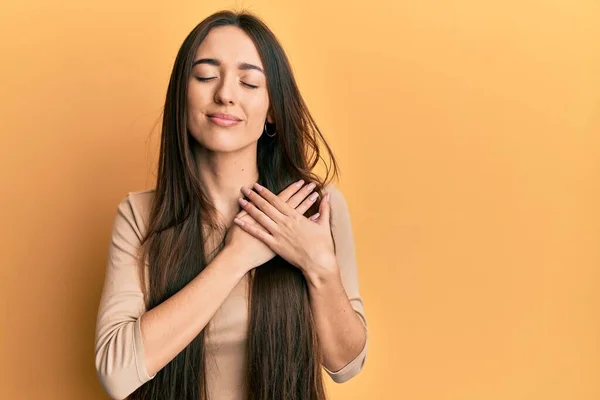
(225, 143)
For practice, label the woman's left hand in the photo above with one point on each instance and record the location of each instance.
(304, 242)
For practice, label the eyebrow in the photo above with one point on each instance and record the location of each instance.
(243, 66)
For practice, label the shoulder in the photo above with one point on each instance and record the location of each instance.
(337, 200)
(343, 235)
(340, 214)
(141, 201)
(134, 210)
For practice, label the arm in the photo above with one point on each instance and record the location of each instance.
(336, 303)
(168, 328)
(132, 345)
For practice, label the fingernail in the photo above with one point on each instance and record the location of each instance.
(300, 182)
(327, 197)
(311, 186)
(258, 187)
(313, 196)
(242, 201)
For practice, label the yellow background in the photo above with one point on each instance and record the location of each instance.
(469, 138)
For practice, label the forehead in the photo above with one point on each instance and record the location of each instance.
(230, 45)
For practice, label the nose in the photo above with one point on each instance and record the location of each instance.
(226, 91)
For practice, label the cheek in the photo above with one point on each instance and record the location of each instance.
(199, 95)
(194, 99)
(257, 114)
(257, 107)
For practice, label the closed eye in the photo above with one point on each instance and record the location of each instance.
(250, 86)
(203, 79)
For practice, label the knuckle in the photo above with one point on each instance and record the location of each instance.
(263, 207)
(288, 222)
(254, 196)
(292, 202)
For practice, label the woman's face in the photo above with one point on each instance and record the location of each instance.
(227, 78)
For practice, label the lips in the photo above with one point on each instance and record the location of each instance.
(223, 116)
(223, 120)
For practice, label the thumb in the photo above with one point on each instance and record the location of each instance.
(325, 209)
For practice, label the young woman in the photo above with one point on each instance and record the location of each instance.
(236, 277)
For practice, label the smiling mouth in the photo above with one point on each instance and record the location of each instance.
(224, 116)
(223, 120)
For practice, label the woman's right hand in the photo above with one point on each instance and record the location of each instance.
(252, 252)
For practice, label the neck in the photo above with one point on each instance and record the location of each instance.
(223, 174)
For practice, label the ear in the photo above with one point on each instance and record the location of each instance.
(270, 117)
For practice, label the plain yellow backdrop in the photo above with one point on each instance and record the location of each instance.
(468, 133)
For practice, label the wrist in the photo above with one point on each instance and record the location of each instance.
(231, 258)
(319, 276)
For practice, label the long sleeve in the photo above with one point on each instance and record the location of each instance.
(119, 352)
(341, 228)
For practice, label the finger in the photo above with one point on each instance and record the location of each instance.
(314, 217)
(301, 194)
(302, 208)
(249, 221)
(258, 215)
(285, 194)
(325, 208)
(263, 205)
(255, 231)
(273, 201)
(289, 191)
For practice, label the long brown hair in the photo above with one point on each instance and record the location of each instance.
(283, 355)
